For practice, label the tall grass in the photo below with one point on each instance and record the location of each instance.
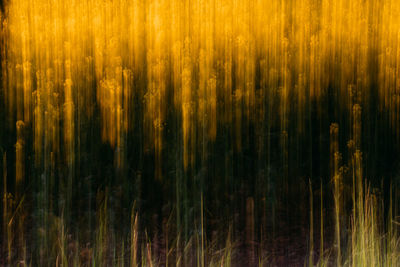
(208, 115)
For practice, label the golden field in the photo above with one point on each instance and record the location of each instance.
(201, 108)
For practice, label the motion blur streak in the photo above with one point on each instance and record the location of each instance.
(215, 62)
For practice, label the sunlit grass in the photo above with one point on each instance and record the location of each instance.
(199, 109)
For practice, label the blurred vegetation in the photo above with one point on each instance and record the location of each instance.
(170, 132)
